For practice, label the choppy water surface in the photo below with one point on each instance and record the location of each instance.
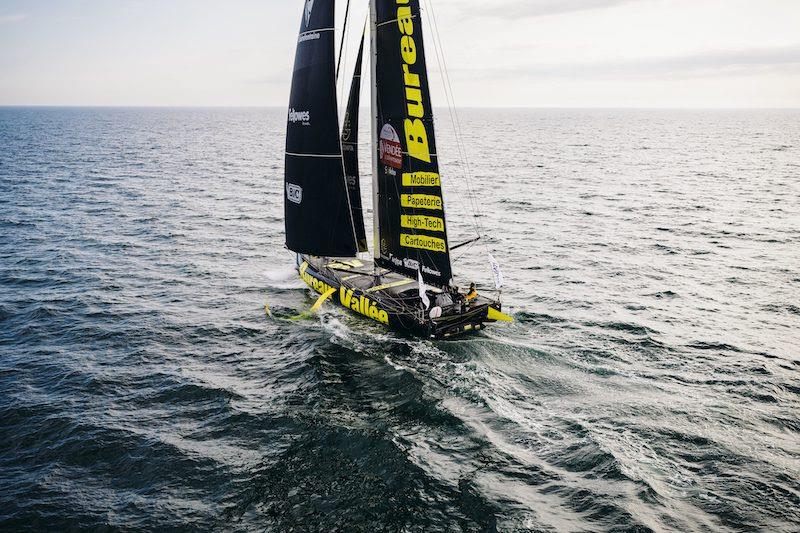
(651, 381)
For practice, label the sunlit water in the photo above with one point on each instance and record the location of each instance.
(650, 382)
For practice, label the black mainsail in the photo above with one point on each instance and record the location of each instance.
(411, 227)
(350, 152)
(317, 209)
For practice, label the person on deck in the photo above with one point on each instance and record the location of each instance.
(471, 294)
(458, 299)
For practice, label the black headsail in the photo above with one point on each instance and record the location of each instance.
(411, 222)
(317, 210)
(350, 152)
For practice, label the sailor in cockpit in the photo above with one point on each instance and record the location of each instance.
(472, 294)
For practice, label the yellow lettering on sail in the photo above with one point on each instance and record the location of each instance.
(421, 201)
(408, 49)
(415, 130)
(414, 102)
(417, 139)
(409, 78)
(423, 242)
(421, 179)
(404, 20)
(420, 222)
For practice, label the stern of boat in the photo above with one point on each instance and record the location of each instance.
(473, 319)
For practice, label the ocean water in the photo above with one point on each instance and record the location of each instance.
(651, 381)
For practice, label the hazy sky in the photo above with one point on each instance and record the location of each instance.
(536, 53)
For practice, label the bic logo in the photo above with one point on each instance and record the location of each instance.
(294, 193)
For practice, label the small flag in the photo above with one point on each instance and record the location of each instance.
(422, 294)
(496, 272)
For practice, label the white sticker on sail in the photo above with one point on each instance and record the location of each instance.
(294, 193)
(303, 117)
(391, 151)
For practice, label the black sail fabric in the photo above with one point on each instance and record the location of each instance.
(316, 206)
(350, 152)
(410, 208)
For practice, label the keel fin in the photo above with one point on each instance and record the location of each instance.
(494, 314)
(322, 299)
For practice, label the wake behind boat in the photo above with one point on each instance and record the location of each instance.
(408, 285)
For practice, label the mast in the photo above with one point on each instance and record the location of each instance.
(373, 33)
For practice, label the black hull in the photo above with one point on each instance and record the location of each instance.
(391, 299)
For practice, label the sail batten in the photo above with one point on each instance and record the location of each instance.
(316, 203)
(411, 233)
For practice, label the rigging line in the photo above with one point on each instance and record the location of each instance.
(344, 32)
(458, 147)
(450, 99)
(465, 252)
(440, 59)
(343, 49)
(476, 205)
(458, 128)
(447, 84)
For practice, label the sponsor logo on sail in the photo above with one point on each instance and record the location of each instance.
(421, 201)
(310, 36)
(423, 242)
(419, 222)
(390, 148)
(303, 117)
(411, 264)
(414, 126)
(421, 179)
(432, 272)
(309, 8)
(294, 193)
(347, 129)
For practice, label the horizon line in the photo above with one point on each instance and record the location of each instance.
(163, 106)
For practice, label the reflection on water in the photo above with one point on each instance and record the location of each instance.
(650, 381)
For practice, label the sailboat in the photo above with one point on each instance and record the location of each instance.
(407, 284)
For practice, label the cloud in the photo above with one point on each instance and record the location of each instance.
(8, 19)
(269, 79)
(709, 63)
(539, 8)
(733, 61)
